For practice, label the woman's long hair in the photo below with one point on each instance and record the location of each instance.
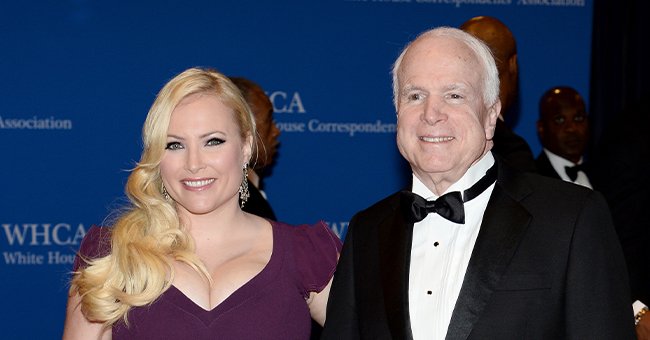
(149, 236)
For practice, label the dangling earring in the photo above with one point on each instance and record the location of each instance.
(244, 194)
(164, 192)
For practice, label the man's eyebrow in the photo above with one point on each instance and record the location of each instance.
(409, 88)
(455, 86)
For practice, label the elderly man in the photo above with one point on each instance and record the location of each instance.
(491, 253)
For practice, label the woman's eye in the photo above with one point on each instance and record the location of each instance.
(559, 120)
(215, 141)
(173, 146)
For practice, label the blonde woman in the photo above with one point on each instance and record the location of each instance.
(185, 262)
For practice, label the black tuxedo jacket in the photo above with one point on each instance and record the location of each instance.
(512, 148)
(544, 166)
(546, 265)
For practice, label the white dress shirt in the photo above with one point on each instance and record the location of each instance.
(440, 252)
(559, 163)
(637, 306)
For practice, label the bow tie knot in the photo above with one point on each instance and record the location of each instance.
(449, 206)
(572, 171)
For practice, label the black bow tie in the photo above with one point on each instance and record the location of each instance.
(572, 171)
(449, 205)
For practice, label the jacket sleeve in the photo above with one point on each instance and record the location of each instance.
(342, 319)
(596, 265)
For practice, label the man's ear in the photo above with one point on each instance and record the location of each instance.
(540, 129)
(491, 119)
(512, 64)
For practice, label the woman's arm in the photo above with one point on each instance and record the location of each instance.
(78, 327)
(317, 303)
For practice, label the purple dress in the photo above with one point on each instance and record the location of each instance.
(269, 306)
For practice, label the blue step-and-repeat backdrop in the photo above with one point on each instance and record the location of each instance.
(77, 78)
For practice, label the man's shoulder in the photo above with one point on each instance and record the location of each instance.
(544, 166)
(513, 148)
(380, 209)
(524, 183)
(553, 191)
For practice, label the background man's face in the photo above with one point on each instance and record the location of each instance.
(564, 128)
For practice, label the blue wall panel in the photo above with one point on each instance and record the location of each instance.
(77, 78)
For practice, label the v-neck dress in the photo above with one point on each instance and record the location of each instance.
(269, 306)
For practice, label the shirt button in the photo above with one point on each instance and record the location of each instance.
(435, 244)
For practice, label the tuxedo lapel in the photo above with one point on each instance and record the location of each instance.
(395, 237)
(504, 222)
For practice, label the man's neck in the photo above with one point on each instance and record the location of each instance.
(439, 185)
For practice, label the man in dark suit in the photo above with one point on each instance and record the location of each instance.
(511, 147)
(266, 148)
(563, 130)
(619, 170)
(515, 256)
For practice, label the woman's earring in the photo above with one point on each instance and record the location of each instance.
(244, 194)
(165, 193)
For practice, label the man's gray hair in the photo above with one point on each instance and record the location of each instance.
(483, 53)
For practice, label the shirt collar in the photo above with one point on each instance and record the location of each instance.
(559, 162)
(473, 175)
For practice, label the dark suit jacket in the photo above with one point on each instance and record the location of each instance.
(546, 265)
(512, 148)
(257, 204)
(620, 172)
(544, 166)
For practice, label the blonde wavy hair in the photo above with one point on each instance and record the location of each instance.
(149, 236)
